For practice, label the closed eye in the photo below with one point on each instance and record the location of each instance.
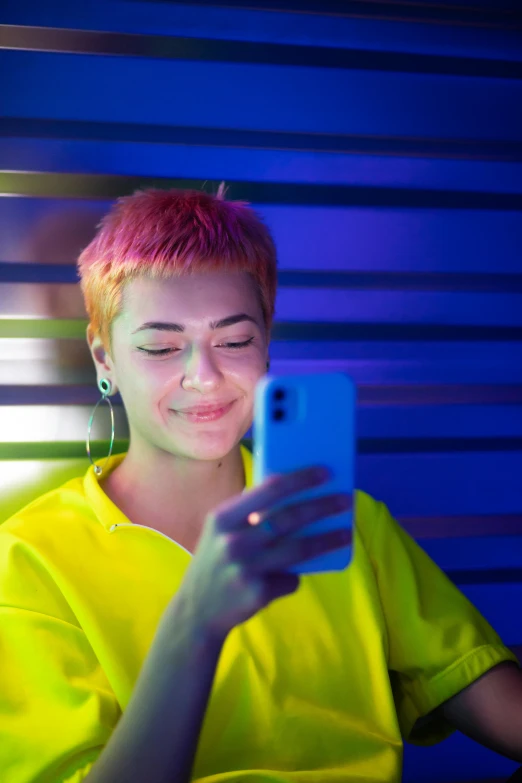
(164, 351)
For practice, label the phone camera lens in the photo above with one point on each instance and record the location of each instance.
(279, 414)
(279, 394)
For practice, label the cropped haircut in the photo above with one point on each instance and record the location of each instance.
(170, 233)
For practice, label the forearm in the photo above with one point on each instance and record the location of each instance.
(157, 736)
(490, 710)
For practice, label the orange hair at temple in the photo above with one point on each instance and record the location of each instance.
(168, 233)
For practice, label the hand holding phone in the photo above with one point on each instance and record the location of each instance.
(240, 564)
(304, 420)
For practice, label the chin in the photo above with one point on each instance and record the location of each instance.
(208, 446)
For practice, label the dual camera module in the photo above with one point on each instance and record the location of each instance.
(278, 412)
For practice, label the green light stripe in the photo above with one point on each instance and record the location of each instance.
(48, 328)
(60, 450)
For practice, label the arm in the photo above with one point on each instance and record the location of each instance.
(490, 710)
(439, 644)
(157, 735)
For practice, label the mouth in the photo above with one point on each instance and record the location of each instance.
(205, 416)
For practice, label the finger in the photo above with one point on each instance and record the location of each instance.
(231, 515)
(289, 519)
(297, 515)
(289, 552)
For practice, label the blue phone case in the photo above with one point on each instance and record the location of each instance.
(315, 426)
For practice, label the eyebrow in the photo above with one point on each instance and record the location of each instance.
(164, 326)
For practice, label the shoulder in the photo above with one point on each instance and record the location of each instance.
(369, 513)
(38, 545)
(47, 516)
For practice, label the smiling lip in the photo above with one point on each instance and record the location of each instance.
(202, 414)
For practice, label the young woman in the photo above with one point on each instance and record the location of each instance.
(141, 639)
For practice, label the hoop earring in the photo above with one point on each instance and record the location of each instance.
(105, 386)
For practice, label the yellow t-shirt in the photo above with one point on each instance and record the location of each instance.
(317, 687)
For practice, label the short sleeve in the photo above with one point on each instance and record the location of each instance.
(439, 643)
(57, 710)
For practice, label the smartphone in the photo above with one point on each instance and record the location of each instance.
(301, 421)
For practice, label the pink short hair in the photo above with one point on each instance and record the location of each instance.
(166, 233)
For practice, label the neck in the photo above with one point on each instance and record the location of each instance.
(173, 494)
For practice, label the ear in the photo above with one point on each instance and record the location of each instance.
(101, 358)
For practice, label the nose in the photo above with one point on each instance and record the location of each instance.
(201, 371)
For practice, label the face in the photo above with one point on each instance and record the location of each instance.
(198, 363)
